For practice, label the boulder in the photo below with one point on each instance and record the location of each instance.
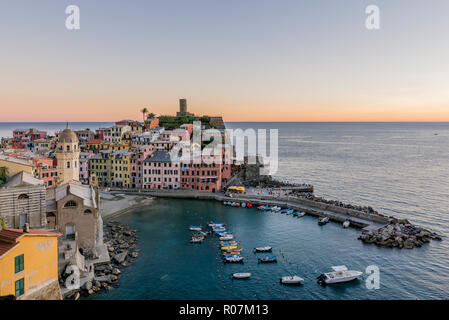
(119, 258)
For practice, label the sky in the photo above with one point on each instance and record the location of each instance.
(248, 60)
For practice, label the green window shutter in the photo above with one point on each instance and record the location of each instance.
(19, 263)
(20, 287)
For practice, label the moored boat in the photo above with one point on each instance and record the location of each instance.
(292, 280)
(234, 259)
(196, 240)
(346, 224)
(228, 248)
(243, 204)
(227, 237)
(241, 275)
(340, 274)
(267, 259)
(195, 228)
(263, 249)
(323, 220)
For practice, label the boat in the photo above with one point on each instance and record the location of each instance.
(299, 214)
(228, 243)
(340, 274)
(227, 237)
(196, 240)
(198, 237)
(249, 205)
(260, 207)
(234, 251)
(228, 248)
(289, 211)
(291, 280)
(323, 220)
(283, 211)
(263, 249)
(237, 204)
(243, 205)
(346, 224)
(242, 275)
(216, 224)
(268, 259)
(195, 228)
(234, 259)
(268, 208)
(276, 208)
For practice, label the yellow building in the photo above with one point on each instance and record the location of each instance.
(16, 165)
(121, 169)
(29, 264)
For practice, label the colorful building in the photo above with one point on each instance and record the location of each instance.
(159, 172)
(29, 264)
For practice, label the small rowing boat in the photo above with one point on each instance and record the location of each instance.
(227, 237)
(323, 220)
(242, 275)
(195, 228)
(268, 259)
(263, 249)
(291, 280)
(234, 259)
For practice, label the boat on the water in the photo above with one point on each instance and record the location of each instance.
(234, 259)
(299, 214)
(227, 237)
(276, 209)
(216, 224)
(289, 211)
(228, 243)
(260, 207)
(293, 280)
(196, 240)
(340, 274)
(243, 204)
(249, 205)
(346, 224)
(263, 249)
(267, 259)
(228, 248)
(241, 275)
(195, 228)
(323, 220)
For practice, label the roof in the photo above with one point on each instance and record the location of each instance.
(95, 141)
(9, 237)
(159, 156)
(22, 179)
(68, 136)
(84, 192)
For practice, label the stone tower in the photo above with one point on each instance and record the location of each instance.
(68, 157)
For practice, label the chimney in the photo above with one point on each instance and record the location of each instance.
(26, 228)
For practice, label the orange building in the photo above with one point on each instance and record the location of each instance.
(29, 264)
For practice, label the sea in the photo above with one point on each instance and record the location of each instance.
(400, 169)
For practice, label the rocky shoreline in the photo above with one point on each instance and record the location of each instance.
(122, 244)
(399, 234)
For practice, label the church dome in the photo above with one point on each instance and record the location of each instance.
(68, 136)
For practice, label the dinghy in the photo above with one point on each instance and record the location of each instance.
(196, 240)
(263, 249)
(242, 275)
(291, 280)
(268, 259)
(346, 224)
(322, 221)
(227, 237)
(195, 228)
(234, 259)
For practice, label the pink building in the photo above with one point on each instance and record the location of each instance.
(159, 172)
(84, 166)
(137, 165)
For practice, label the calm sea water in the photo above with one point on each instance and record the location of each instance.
(400, 169)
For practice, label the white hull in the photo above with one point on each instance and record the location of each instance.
(292, 280)
(244, 275)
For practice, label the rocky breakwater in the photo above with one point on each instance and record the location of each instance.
(399, 234)
(121, 242)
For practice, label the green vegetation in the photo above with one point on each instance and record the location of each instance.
(170, 122)
(2, 223)
(144, 112)
(3, 175)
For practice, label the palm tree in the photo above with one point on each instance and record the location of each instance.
(144, 112)
(151, 115)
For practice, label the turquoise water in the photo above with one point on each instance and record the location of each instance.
(169, 267)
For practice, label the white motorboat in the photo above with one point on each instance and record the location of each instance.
(234, 259)
(216, 224)
(276, 209)
(323, 220)
(196, 240)
(291, 280)
(300, 214)
(340, 274)
(195, 228)
(346, 224)
(242, 275)
(227, 237)
(263, 249)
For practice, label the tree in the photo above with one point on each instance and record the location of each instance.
(3, 175)
(144, 112)
(151, 115)
(2, 223)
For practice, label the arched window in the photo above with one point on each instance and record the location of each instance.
(70, 204)
(87, 211)
(68, 148)
(23, 197)
(68, 164)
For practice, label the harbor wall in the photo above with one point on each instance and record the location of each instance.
(359, 218)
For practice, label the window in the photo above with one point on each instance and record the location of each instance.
(70, 204)
(87, 211)
(68, 164)
(23, 197)
(20, 287)
(19, 263)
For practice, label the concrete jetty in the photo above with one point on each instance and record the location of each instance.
(358, 219)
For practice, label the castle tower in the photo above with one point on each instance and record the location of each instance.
(68, 156)
(182, 106)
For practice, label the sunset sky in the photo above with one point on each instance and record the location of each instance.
(248, 60)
